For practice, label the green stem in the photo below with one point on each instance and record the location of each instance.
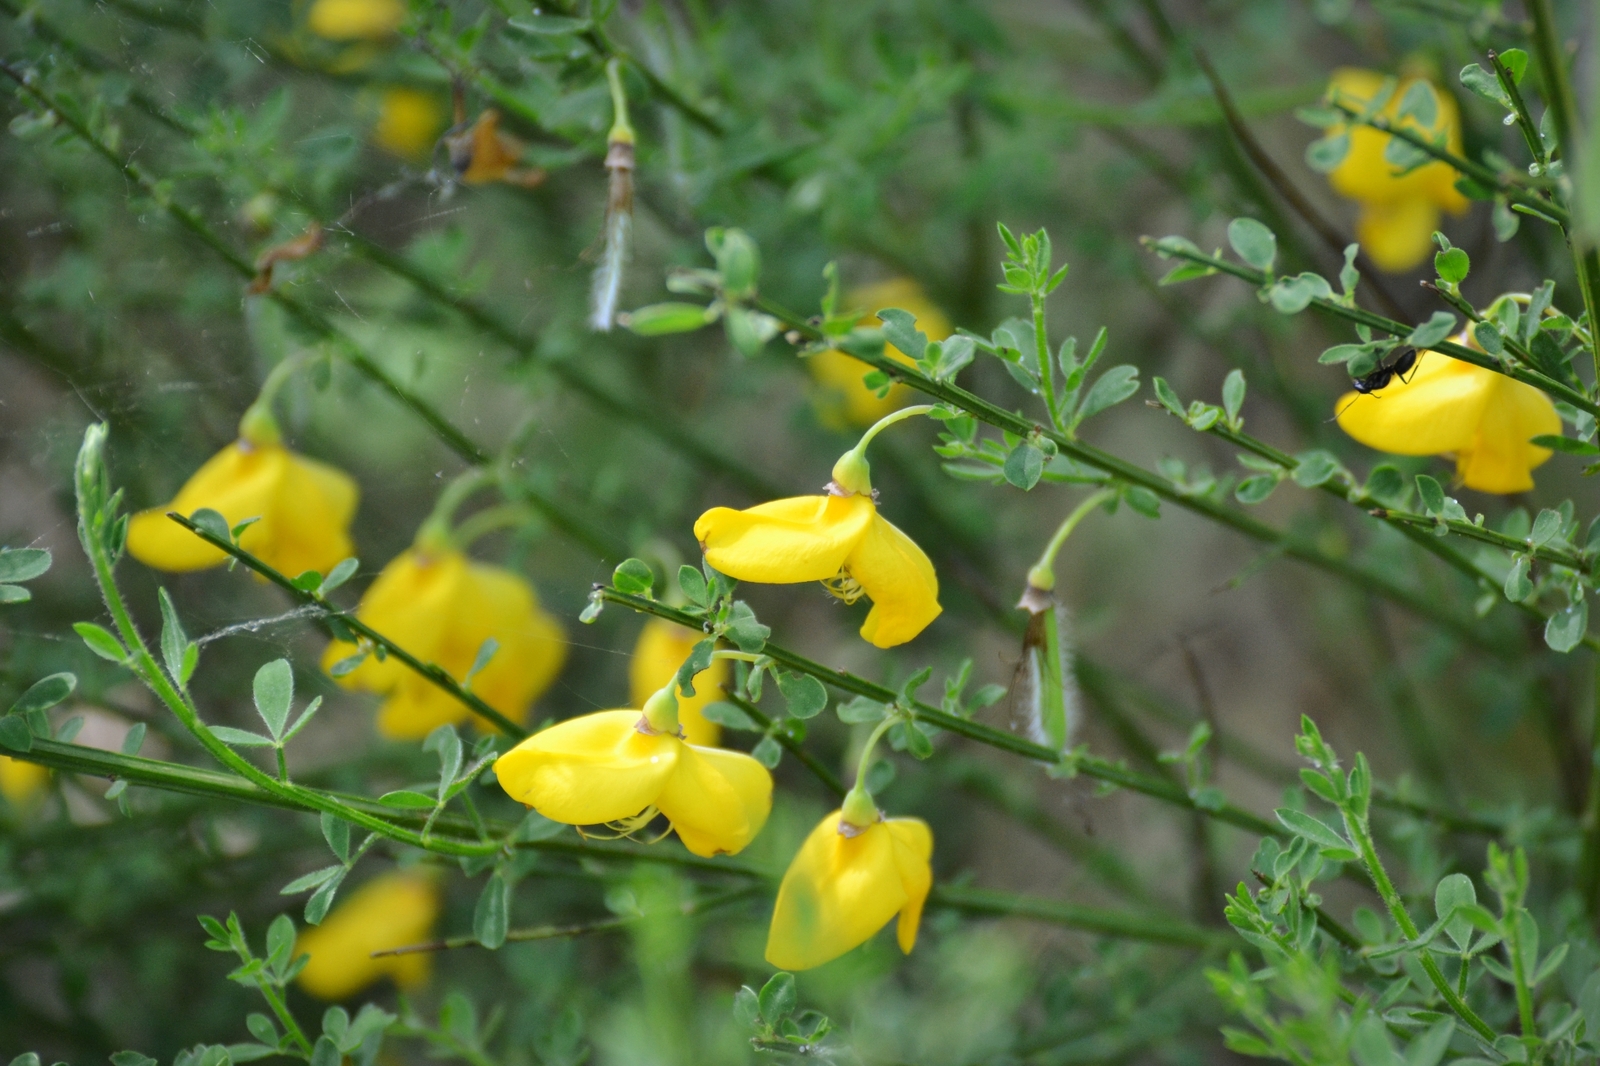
(1088, 765)
(1519, 973)
(1519, 106)
(434, 674)
(486, 521)
(829, 779)
(1041, 345)
(1043, 573)
(890, 419)
(621, 129)
(1361, 834)
(1528, 376)
(281, 1009)
(435, 529)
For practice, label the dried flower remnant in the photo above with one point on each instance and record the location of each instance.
(617, 236)
(293, 250)
(482, 154)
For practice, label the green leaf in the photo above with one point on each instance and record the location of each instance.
(729, 716)
(273, 689)
(311, 880)
(768, 753)
(1255, 489)
(1303, 825)
(213, 523)
(1569, 445)
(240, 738)
(699, 658)
(45, 693)
(120, 1058)
(336, 831)
(1517, 585)
(549, 25)
(1233, 388)
(1254, 243)
(15, 734)
(347, 665)
(693, 584)
(486, 652)
(1546, 527)
(918, 743)
(860, 710)
(14, 594)
(1168, 398)
(1387, 485)
(1432, 331)
(1515, 60)
(1420, 104)
(408, 799)
(344, 571)
(101, 642)
(1485, 84)
(1452, 265)
(747, 1007)
(1109, 389)
(317, 906)
(658, 320)
(23, 564)
(1566, 629)
(1314, 468)
(634, 577)
(492, 916)
(900, 330)
(1453, 891)
(307, 581)
(1024, 465)
(174, 641)
(1326, 153)
(134, 739)
(1290, 296)
(778, 998)
(804, 694)
(1431, 494)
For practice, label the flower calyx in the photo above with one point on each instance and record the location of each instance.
(858, 813)
(852, 475)
(258, 428)
(659, 716)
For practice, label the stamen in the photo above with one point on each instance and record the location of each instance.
(844, 586)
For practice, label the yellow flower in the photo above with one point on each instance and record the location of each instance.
(839, 540)
(390, 911)
(1450, 407)
(21, 781)
(662, 648)
(611, 766)
(440, 606)
(304, 509)
(409, 123)
(840, 889)
(356, 20)
(840, 399)
(1398, 213)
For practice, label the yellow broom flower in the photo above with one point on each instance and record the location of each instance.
(440, 606)
(304, 509)
(21, 781)
(1399, 213)
(845, 884)
(840, 398)
(662, 647)
(1449, 407)
(356, 20)
(390, 911)
(621, 767)
(409, 123)
(837, 539)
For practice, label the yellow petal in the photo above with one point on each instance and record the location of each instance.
(899, 578)
(913, 847)
(1365, 175)
(661, 649)
(405, 604)
(836, 894)
(716, 799)
(354, 20)
(390, 911)
(1499, 458)
(1436, 411)
(409, 123)
(20, 781)
(841, 398)
(803, 538)
(1398, 234)
(416, 707)
(589, 770)
(311, 509)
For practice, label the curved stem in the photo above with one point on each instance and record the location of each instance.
(1045, 567)
(890, 419)
(864, 763)
(488, 521)
(742, 656)
(621, 129)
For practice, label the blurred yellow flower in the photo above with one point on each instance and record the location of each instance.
(390, 911)
(304, 507)
(1398, 213)
(662, 648)
(21, 781)
(839, 540)
(440, 606)
(409, 123)
(1483, 418)
(356, 20)
(842, 887)
(613, 767)
(840, 399)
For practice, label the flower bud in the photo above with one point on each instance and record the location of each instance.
(858, 811)
(661, 710)
(259, 427)
(853, 474)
